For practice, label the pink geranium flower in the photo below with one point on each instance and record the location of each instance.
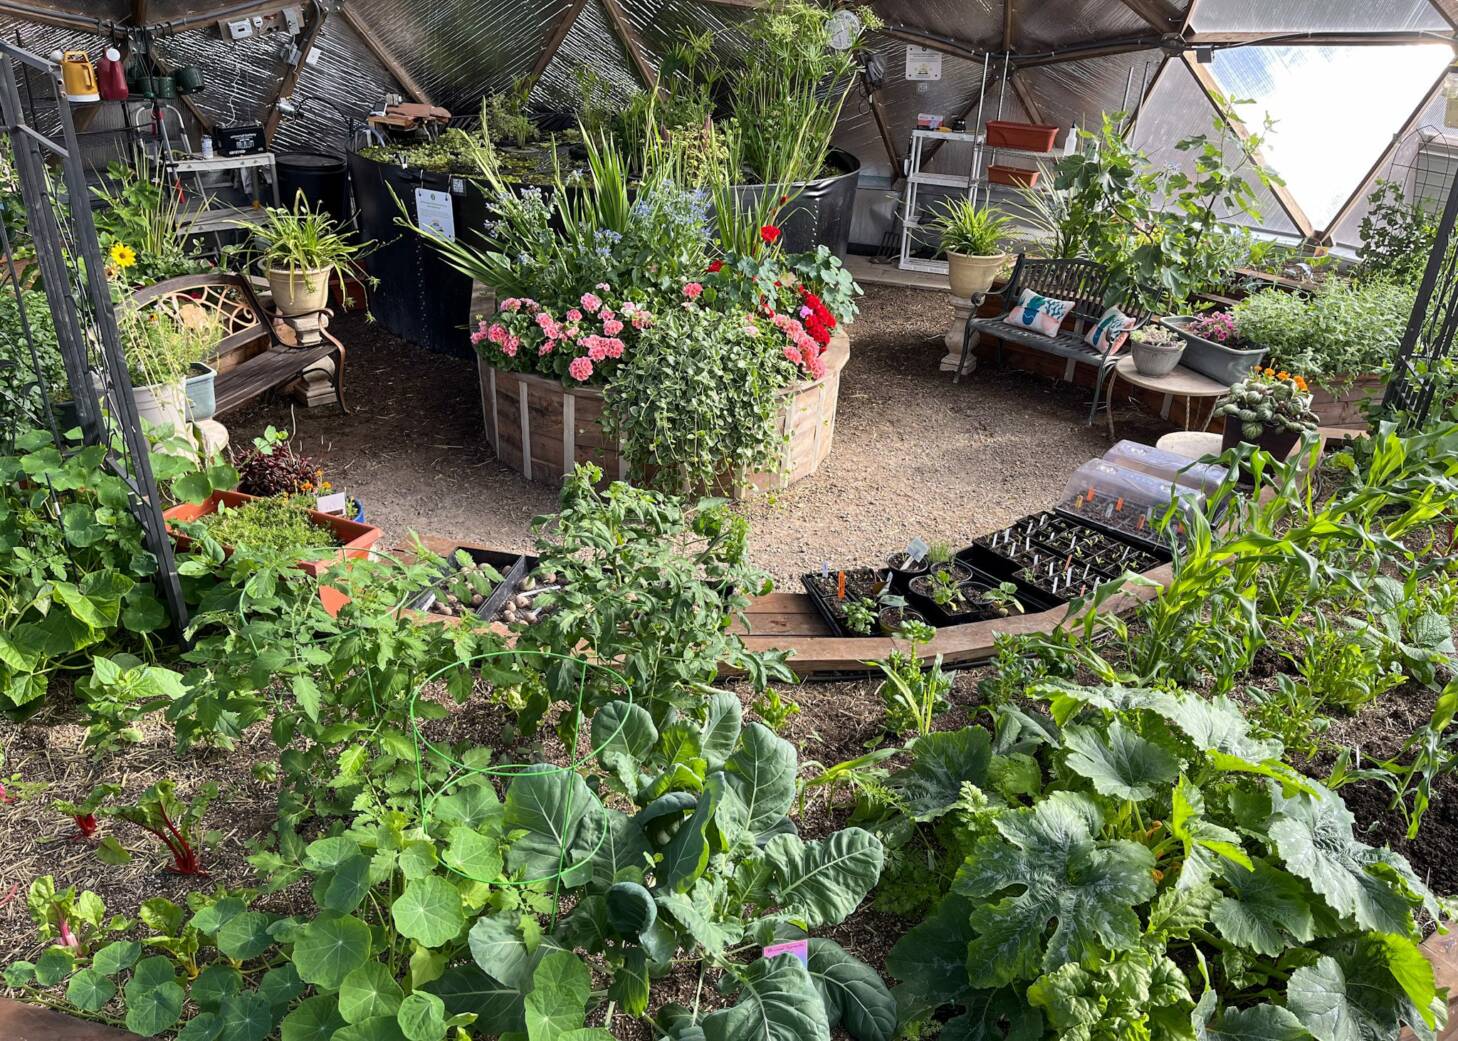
(612, 327)
(693, 290)
(591, 302)
(580, 369)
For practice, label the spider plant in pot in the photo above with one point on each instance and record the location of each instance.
(300, 249)
(972, 240)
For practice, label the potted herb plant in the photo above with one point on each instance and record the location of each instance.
(971, 237)
(1156, 350)
(160, 348)
(1215, 346)
(300, 249)
(1268, 409)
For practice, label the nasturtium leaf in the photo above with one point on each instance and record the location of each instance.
(498, 948)
(151, 1010)
(55, 965)
(328, 854)
(116, 956)
(466, 990)
(280, 985)
(930, 960)
(422, 1017)
(723, 721)
(90, 990)
(941, 762)
(544, 813)
(1266, 910)
(369, 991)
(557, 1004)
(853, 995)
(1047, 867)
(205, 1026)
(417, 859)
(246, 1017)
(429, 911)
(777, 1002)
(472, 805)
(245, 935)
(630, 909)
(152, 972)
(473, 855)
(1119, 763)
(329, 949)
(630, 985)
(1313, 835)
(623, 736)
(762, 773)
(344, 887)
(315, 1019)
(214, 984)
(823, 881)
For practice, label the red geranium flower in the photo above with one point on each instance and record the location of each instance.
(770, 234)
(715, 267)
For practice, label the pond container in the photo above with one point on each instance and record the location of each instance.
(420, 297)
(324, 180)
(820, 213)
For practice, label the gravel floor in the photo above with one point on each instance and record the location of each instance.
(914, 453)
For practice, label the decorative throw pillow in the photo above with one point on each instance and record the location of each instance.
(1108, 336)
(1041, 314)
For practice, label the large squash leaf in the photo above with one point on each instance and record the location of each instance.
(1368, 991)
(1119, 763)
(1205, 842)
(1047, 867)
(941, 762)
(1266, 911)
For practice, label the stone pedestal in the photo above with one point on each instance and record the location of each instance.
(962, 309)
(211, 435)
(316, 386)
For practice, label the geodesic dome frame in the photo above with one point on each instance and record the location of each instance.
(1067, 61)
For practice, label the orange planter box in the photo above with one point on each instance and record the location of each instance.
(1026, 137)
(1015, 176)
(355, 539)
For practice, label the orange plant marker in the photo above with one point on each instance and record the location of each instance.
(840, 586)
(1119, 504)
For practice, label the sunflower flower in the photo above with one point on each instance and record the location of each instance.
(123, 256)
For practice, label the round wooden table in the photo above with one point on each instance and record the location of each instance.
(1182, 382)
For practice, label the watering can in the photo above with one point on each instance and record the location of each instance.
(78, 78)
(111, 76)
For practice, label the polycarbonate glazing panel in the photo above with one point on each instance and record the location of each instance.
(1325, 139)
(663, 24)
(461, 50)
(1040, 25)
(1316, 16)
(1079, 92)
(592, 45)
(1417, 165)
(972, 21)
(346, 76)
(1178, 109)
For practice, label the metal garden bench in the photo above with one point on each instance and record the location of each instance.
(1082, 281)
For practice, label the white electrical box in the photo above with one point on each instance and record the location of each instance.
(237, 30)
(313, 58)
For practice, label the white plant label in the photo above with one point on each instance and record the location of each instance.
(916, 549)
(331, 503)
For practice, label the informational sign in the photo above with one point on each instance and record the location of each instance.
(922, 63)
(434, 214)
(334, 503)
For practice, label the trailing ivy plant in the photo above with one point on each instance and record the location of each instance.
(1171, 879)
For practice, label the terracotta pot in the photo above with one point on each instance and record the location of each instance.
(299, 291)
(1027, 137)
(1014, 176)
(973, 276)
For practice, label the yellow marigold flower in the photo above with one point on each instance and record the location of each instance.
(123, 256)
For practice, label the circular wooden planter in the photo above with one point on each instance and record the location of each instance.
(563, 426)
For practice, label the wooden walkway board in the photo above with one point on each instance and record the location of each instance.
(20, 1022)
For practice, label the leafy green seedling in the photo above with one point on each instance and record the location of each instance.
(173, 821)
(84, 812)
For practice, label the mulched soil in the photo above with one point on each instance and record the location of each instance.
(915, 454)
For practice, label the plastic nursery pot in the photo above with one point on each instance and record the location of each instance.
(1013, 176)
(891, 619)
(1278, 443)
(902, 567)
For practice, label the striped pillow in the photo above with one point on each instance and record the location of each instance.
(1041, 314)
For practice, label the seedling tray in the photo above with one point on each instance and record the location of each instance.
(859, 582)
(1083, 552)
(940, 617)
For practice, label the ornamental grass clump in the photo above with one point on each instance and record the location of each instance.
(1269, 400)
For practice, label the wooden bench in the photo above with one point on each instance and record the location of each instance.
(257, 352)
(1082, 281)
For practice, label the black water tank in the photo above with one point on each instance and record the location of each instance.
(324, 180)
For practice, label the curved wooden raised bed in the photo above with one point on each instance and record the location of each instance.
(563, 426)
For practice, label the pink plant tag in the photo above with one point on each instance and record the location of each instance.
(799, 948)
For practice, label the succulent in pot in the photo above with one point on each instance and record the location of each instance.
(1156, 350)
(971, 237)
(300, 249)
(1268, 409)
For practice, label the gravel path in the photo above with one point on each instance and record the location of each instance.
(914, 454)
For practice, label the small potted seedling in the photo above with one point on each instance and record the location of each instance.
(860, 615)
(999, 602)
(906, 564)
